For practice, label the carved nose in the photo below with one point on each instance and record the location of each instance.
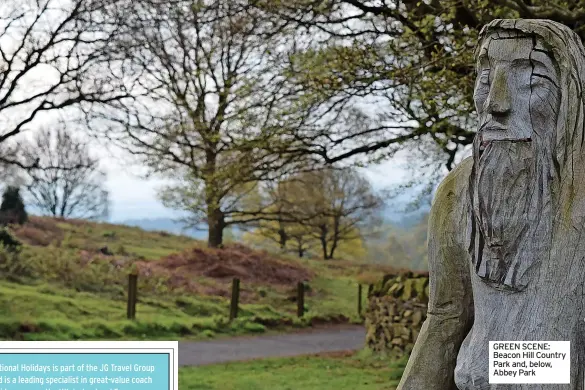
(499, 102)
(498, 108)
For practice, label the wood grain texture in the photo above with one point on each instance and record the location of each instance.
(450, 311)
(506, 244)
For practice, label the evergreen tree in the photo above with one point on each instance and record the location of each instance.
(12, 210)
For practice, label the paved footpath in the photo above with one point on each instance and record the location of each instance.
(331, 339)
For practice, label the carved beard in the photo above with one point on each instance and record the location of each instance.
(506, 190)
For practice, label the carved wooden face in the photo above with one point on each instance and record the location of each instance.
(517, 98)
(516, 92)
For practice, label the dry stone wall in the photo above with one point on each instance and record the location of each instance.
(397, 308)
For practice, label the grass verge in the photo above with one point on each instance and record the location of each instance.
(339, 371)
(50, 312)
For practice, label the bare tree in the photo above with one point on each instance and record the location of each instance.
(67, 181)
(52, 56)
(212, 72)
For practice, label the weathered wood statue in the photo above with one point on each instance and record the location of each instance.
(507, 228)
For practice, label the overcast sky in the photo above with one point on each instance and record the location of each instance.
(135, 198)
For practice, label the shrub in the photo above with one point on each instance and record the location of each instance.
(121, 250)
(8, 242)
(109, 234)
(13, 266)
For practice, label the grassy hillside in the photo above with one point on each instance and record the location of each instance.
(69, 282)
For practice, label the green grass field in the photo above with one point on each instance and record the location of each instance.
(341, 372)
(46, 293)
(50, 312)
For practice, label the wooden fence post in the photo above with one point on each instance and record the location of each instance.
(359, 299)
(300, 299)
(235, 298)
(132, 296)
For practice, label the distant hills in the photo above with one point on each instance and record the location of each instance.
(169, 225)
(406, 220)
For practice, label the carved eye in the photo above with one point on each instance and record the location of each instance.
(484, 76)
(541, 79)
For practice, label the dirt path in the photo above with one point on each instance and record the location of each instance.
(332, 339)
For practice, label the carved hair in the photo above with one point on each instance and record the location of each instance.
(569, 55)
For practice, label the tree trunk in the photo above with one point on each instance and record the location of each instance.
(215, 217)
(335, 237)
(282, 237)
(332, 251)
(323, 239)
(216, 223)
(300, 246)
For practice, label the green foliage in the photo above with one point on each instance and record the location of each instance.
(49, 312)
(333, 296)
(59, 265)
(321, 213)
(8, 241)
(413, 60)
(109, 234)
(132, 240)
(10, 264)
(12, 210)
(228, 110)
(252, 327)
(121, 250)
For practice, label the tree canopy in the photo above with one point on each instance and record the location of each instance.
(321, 211)
(225, 97)
(52, 58)
(212, 87)
(379, 77)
